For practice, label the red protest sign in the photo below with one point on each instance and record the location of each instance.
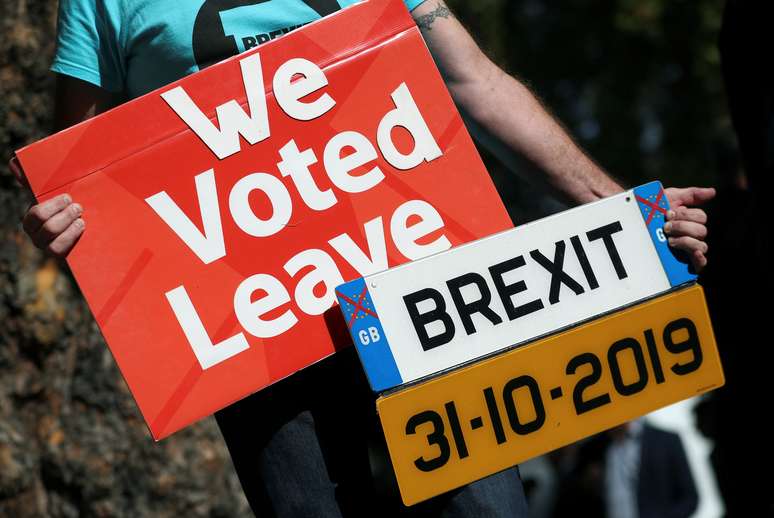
(223, 209)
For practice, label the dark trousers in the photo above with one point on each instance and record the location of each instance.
(311, 445)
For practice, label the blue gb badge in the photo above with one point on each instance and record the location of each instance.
(367, 333)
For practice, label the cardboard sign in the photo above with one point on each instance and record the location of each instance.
(429, 315)
(481, 419)
(223, 210)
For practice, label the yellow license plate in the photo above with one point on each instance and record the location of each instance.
(481, 419)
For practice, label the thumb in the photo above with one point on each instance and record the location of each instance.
(690, 195)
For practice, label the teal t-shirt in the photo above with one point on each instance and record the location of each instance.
(135, 46)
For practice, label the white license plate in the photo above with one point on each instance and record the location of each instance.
(430, 315)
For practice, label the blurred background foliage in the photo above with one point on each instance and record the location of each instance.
(636, 81)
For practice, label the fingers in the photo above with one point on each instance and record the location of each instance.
(688, 244)
(699, 261)
(56, 224)
(686, 228)
(695, 248)
(64, 242)
(689, 214)
(39, 214)
(678, 228)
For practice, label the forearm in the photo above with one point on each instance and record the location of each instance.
(506, 109)
(510, 112)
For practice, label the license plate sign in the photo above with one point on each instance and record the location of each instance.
(424, 317)
(481, 419)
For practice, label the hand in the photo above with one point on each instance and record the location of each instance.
(686, 224)
(54, 225)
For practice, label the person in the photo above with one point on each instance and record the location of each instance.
(291, 452)
(647, 474)
(634, 470)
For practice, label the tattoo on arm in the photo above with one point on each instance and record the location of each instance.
(425, 21)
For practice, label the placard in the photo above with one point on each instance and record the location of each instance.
(223, 210)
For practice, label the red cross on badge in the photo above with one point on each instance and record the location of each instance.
(358, 306)
(655, 208)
